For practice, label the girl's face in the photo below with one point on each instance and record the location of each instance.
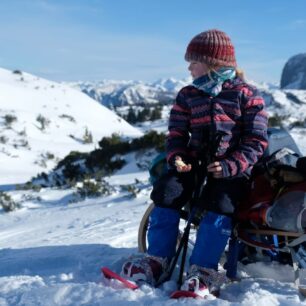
(197, 69)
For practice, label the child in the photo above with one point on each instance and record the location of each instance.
(219, 120)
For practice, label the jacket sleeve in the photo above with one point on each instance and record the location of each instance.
(254, 138)
(178, 128)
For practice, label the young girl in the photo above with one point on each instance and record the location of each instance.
(219, 120)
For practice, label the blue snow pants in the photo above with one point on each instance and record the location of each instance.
(220, 197)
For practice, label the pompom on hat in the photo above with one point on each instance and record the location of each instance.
(212, 47)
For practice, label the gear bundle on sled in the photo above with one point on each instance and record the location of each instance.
(272, 219)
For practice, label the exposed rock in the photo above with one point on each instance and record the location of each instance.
(294, 73)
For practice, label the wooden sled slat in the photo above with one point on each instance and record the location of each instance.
(295, 238)
(270, 232)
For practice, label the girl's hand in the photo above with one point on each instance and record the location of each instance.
(216, 169)
(180, 165)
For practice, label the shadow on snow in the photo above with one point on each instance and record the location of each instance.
(83, 261)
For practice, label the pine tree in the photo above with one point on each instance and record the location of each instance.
(144, 115)
(87, 138)
(131, 116)
(156, 113)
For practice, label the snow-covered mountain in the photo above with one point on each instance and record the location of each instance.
(125, 93)
(42, 121)
(289, 104)
(121, 93)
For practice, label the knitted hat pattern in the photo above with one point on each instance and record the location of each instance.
(212, 47)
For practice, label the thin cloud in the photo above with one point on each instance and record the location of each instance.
(45, 5)
(51, 6)
(296, 24)
(82, 51)
(300, 23)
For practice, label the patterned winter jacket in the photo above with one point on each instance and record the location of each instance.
(236, 117)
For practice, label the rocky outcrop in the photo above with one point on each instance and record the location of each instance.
(294, 73)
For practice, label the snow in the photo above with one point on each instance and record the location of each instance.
(70, 113)
(122, 93)
(51, 253)
(52, 248)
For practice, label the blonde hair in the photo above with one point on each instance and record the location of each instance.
(240, 74)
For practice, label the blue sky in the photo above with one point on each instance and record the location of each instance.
(70, 40)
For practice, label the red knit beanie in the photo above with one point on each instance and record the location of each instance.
(212, 47)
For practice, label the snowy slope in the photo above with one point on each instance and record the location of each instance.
(288, 103)
(25, 144)
(51, 252)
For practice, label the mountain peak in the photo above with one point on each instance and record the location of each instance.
(294, 73)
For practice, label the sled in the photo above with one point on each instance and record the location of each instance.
(260, 237)
(257, 238)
